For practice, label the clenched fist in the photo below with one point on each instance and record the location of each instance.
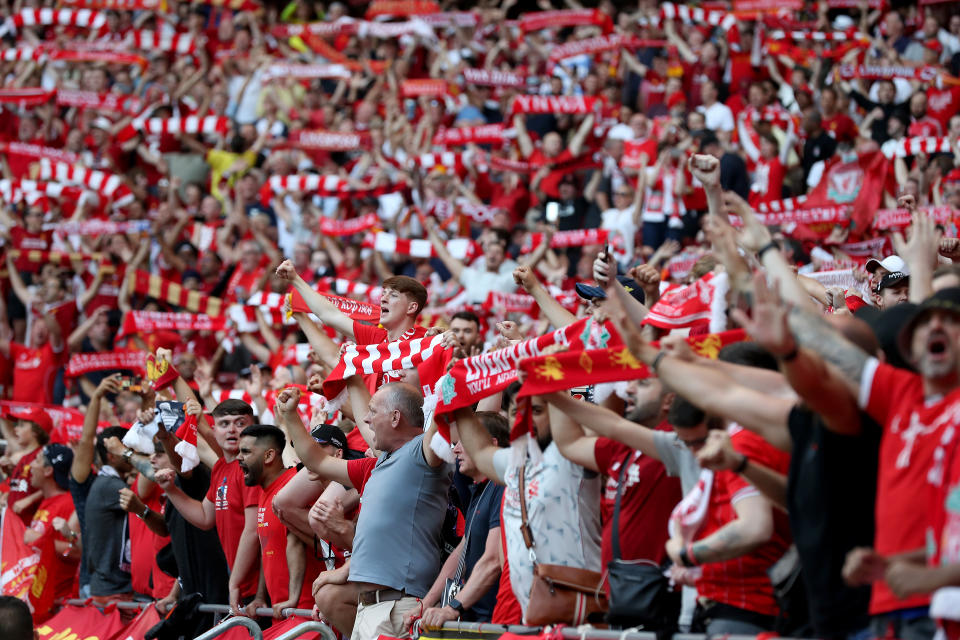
(287, 400)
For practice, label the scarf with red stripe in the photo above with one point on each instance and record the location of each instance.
(887, 72)
(701, 303)
(564, 239)
(537, 20)
(83, 363)
(147, 322)
(428, 87)
(484, 134)
(329, 140)
(494, 78)
(332, 227)
(173, 293)
(400, 8)
(108, 185)
(528, 104)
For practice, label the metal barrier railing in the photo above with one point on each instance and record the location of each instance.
(311, 625)
(265, 612)
(226, 625)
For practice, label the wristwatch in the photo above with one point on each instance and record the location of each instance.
(128, 454)
(455, 604)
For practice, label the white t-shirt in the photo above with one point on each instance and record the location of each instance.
(619, 222)
(478, 282)
(563, 507)
(718, 117)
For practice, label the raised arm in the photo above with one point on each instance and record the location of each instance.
(549, 306)
(453, 265)
(476, 441)
(569, 437)
(320, 306)
(576, 144)
(604, 422)
(83, 452)
(309, 451)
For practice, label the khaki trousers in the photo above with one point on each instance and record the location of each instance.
(384, 618)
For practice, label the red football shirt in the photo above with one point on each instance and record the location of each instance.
(649, 497)
(273, 549)
(507, 610)
(25, 241)
(743, 582)
(55, 574)
(918, 433)
(20, 485)
(230, 497)
(34, 372)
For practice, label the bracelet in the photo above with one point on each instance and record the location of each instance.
(740, 468)
(146, 510)
(790, 356)
(685, 558)
(767, 247)
(656, 361)
(690, 555)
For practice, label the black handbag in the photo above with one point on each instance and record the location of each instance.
(640, 594)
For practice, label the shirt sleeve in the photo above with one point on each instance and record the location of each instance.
(883, 387)
(668, 445)
(501, 464)
(359, 471)
(251, 496)
(496, 497)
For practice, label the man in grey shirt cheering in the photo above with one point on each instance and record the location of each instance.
(397, 547)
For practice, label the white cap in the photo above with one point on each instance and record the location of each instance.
(101, 123)
(890, 263)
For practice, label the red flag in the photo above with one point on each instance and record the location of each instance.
(362, 311)
(139, 626)
(18, 561)
(572, 369)
(858, 181)
(82, 622)
(160, 373)
(697, 304)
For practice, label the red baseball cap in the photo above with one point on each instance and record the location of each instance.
(934, 45)
(35, 415)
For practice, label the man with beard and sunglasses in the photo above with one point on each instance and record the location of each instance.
(288, 569)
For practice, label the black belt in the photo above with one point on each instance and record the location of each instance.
(368, 598)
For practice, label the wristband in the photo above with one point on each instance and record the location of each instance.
(146, 510)
(767, 247)
(690, 555)
(684, 558)
(740, 468)
(656, 361)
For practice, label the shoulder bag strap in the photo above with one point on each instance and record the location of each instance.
(615, 533)
(524, 523)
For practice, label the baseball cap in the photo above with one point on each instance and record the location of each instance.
(890, 263)
(892, 279)
(330, 434)
(35, 415)
(590, 292)
(943, 300)
(934, 45)
(59, 457)
(887, 325)
(620, 132)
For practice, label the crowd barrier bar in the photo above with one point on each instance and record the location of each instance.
(266, 612)
(225, 626)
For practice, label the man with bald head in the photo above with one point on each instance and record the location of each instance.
(404, 493)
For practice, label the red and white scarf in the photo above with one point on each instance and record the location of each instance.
(429, 87)
(912, 146)
(887, 72)
(191, 125)
(459, 248)
(599, 44)
(332, 227)
(173, 293)
(305, 71)
(553, 104)
(702, 302)
(82, 18)
(37, 151)
(126, 104)
(97, 227)
(108, 185)
(83, 363)
(329, 140)
(146, 322)
(496, 134)
(26, 97)
(327, 186)
(494, 78)
(152, 41)
(564, 239)
(903, 218)
(537, 20)
(392, 8)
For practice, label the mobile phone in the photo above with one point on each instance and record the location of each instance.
(553, 211)
(130, 384)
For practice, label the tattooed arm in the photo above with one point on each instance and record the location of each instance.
(812, 332)
(753, 527)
